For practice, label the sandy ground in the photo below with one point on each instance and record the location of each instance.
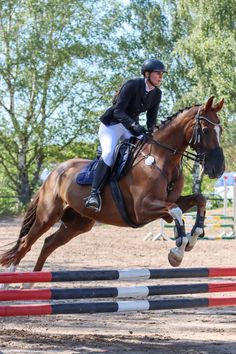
(190, 331)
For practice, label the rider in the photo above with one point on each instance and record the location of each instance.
(121, 121)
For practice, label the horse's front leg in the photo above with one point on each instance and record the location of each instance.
(176, 254)
(169, 211)
(186, 203)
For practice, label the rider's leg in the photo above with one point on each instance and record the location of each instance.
(100, 178)
(109, 137)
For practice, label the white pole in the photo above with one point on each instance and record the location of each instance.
(234, 204)
(225, 195)
(161, 234)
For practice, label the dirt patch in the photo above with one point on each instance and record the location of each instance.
(190, 331)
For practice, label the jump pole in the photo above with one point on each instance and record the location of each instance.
(120, 306)
(123, 274)
(114, 292)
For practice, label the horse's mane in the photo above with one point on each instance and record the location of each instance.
(173, 116)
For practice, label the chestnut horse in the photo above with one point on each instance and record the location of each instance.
(150, 190)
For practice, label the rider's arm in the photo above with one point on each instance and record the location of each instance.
(123, 100)
(152, 114)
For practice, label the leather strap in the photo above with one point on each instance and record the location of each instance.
(120, 203)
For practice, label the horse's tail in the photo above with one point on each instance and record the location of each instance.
(29, 216)
(7, 258)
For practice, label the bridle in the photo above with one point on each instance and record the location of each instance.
(197, 134)
(195, 140)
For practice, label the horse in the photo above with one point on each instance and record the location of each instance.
(151, 188)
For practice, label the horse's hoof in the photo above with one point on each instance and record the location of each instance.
(188, 248)
(174, 259)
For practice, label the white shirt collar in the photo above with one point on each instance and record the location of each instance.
(147, 88)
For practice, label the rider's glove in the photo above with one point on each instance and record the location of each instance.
(136, 129)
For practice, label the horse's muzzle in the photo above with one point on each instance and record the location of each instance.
(214, 163)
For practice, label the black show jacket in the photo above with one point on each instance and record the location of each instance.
(131, 101)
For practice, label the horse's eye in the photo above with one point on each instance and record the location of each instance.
(205, 131)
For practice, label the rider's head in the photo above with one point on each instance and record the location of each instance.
(153, 69)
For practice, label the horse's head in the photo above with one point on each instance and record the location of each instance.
(205, 138)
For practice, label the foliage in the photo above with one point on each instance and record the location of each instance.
(75, 149)
(149, 37)
(214, 201)
(206, 50)
(62, 61)
(229, 145)
(207, 185)
(47, 92)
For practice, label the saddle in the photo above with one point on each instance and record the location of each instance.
(125, 156)
(123, 161)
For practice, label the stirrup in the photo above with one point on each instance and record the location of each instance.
(94, 202)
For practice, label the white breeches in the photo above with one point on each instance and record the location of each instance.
(109, 138)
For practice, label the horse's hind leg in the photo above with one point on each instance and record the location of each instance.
(26, 242)
(46, 214)
(72, 225)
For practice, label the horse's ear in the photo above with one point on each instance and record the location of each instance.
(208, 104)
(218, 106)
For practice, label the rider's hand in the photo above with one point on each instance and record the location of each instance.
(136, 129)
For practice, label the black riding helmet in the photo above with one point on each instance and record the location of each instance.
(151, 65)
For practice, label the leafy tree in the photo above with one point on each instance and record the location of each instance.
(148, 36)
(205, 47)
(229, 146)
(61, 62)
(47, 83)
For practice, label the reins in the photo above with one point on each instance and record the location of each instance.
(196, 139)
(190, 155)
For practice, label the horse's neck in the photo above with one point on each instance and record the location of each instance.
(173, 134)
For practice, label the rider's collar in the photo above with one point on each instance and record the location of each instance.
(147, 88)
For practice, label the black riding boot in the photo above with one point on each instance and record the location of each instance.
(94, 200)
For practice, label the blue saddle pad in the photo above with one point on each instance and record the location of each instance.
(87, 173)
(120, 167)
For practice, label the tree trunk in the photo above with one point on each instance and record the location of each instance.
(197, 177)
(24, 192)
(23, 187)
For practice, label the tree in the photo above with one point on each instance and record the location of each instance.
(206, 49)
(198, 41)
(61, 62)
(148, 36)
(47, 88)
